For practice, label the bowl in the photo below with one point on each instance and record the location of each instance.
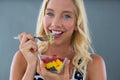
(53, 63)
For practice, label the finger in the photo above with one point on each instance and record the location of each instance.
(43, 71)
(23, 40)
(29, 46)
(30, 37)
(24, 37)
(42, 66)
(20, 36)
(38, 67)
(66, 70)
(27, 38)
(32, 46)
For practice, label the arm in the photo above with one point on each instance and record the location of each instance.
(96, 69)
(30, 72)
(19, 68)
(25, 60)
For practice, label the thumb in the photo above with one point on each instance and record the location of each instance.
(66, 70)
(42, 67)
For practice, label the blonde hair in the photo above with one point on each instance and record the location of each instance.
(80, 41)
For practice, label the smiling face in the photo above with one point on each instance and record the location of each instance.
(60, 19)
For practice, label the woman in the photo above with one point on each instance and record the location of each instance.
(67, 20)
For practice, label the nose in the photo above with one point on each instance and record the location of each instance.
(56, 22)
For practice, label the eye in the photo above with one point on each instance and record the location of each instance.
(67, 16)
(49, 14)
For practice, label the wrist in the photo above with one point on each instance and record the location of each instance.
(31, 65)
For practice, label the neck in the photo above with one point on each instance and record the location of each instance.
(61, 50)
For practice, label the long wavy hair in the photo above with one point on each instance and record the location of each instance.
(80, 42)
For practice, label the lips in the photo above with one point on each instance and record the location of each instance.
(57, 33)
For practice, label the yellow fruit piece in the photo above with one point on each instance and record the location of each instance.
(54, 63)
(48, 65)
(58, 68)
(51, 64)
(59, 62)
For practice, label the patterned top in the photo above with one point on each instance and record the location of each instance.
(76, 76)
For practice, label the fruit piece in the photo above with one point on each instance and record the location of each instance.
(51, 38)
(48, 65)
(58, 68)
(59, 62)
(54, 56)
(61, 59)
(46, 60)
(54, 63)
(52, 69)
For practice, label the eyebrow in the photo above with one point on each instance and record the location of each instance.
(48, 9)
(65, 11)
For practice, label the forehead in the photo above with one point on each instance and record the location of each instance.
(61, 5)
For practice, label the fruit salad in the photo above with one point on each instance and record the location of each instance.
(53, 63)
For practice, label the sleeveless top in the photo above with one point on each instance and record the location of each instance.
(76, 76)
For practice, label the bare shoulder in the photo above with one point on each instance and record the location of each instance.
(96, 68)
(96, 59)
(18, 66)
(97, 62)
(19, 59)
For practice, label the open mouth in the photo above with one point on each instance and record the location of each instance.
(57, 33)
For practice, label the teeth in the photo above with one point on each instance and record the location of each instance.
(57, 32)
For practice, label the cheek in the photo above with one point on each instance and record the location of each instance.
(69, 25)
(46, 23)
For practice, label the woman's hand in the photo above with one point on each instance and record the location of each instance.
(28, 48)
(53, 76)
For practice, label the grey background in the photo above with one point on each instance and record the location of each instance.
(17, 16)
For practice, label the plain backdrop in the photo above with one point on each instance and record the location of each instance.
(18, 16)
